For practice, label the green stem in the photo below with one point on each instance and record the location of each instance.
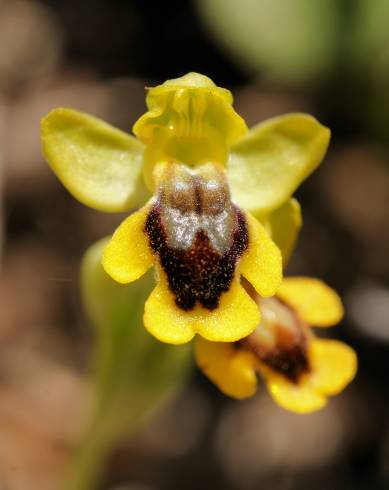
(88, 462)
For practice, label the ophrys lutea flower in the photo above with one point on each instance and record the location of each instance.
(300, 370)
(208, 176)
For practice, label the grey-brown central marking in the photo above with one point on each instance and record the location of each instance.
(198, 234)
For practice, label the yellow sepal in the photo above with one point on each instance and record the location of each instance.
(100, 165)
(268, 164)
(192, 95)
(190, 120)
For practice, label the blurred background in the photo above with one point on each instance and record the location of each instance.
(326, 57)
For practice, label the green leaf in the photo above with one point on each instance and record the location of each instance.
(100, 165)
(284, 225)
(268, 164)
(134, 373)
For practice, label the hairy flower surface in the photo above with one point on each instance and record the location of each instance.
(200, 243)
(210, 194)
(300, 370)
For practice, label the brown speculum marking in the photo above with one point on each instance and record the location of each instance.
(281, 340)
(291, 361)
(198, 235)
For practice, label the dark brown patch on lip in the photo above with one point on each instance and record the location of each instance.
(287, 353)
(291, 361)
(197, 273)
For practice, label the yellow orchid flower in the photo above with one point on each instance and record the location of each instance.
(300, 370)
(199, 177)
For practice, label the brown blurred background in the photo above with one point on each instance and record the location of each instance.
(326, 57)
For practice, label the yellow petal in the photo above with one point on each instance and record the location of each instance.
(236, 316)
(100, 166)
(299, 398)
(261, 263)
(334, 365)
(268, 164)
(127, 255)
(315, 302)
(229, 368)
(283, 225)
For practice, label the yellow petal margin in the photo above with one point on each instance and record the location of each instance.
(315, 302)
(127, 255)
(261, 263)
(299, 398)
(334, 365)
(100, 165)
(230, 369)
(268, 164)
(236, 316)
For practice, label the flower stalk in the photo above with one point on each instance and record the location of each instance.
(133, 374)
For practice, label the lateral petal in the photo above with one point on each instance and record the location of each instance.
(284, 224)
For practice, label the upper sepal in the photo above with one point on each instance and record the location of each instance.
(190, 120)
(191, 98)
